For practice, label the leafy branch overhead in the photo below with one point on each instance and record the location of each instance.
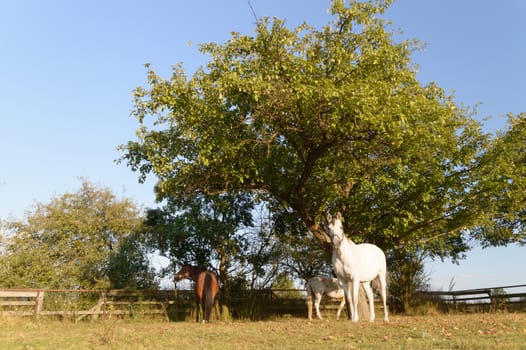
(320, 120)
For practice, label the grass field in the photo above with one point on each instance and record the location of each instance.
(469, 331)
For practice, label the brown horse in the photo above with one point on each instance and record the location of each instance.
(206, 288)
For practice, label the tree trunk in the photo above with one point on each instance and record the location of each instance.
(224, 292)
(363, 305)
(322, 237)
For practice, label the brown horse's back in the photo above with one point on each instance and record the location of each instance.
(207, 287)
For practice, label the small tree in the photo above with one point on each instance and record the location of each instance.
(208, 231)
(68, 242)
(407, 276)
(283, 281)
(503, 187)
(301, 255)
(129, 267)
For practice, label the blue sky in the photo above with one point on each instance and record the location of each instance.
(67, 70)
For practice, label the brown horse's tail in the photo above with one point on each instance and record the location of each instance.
(208, 297)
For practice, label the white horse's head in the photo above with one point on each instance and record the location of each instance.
(335, 229)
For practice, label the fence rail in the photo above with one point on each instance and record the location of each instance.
(505, 294)
(78, 304)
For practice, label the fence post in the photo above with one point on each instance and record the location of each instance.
(38, 303)
(492, 300)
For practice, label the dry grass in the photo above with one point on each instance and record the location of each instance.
(470, 331)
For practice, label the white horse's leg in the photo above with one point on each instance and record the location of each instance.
(317, 301)
(340, 308)
(355, 290)
(383, 294)
(309, 306)
(348, 299)
(353, 308)
(370, 298)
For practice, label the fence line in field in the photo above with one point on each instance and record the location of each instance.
(78, 304)
(493, 295)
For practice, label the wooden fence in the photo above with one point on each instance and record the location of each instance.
(173, 304)
(179, 304)
(77, 304)
(494, 297)
(23, 299)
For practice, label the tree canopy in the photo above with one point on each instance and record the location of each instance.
(503, 189)
(330, 119)
(76, 241)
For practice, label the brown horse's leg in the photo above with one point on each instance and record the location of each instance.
(207, 299)
(197, 310)
(199, 296)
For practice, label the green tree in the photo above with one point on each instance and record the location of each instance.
(330, 119)
(283, 281)
(208, 231)
(264, 257)
(406, 276)
(68, 242)
(301, 255)
(319, 119)
(503, 189)
(129, 267)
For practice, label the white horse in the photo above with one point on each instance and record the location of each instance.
(354, 264)
(319, 285)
